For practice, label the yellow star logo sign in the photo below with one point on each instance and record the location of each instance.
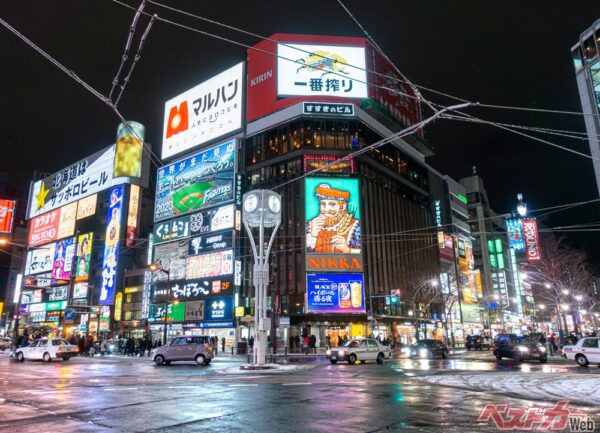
(41, 196)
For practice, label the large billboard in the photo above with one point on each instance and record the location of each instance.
(196, 182)
(40, 260)
(270, 77)
(81, 179)
(111, 246)
(172, 258)
(7, 215)
(332, 207)
(206, 112)
(335, 293)
(321, 70)
(514, 227)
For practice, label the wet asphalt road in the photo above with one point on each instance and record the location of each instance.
(131, 394)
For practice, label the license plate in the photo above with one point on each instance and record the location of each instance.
(334, 357)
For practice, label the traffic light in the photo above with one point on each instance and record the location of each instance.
(394, 299)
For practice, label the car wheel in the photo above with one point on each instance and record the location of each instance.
(200, 359)
(543, 360)
(20, 357)
(351, 358)
(333, 361)
(582, 360)
(47, 357)
(380, 358)
(159, 360)
(498, 357)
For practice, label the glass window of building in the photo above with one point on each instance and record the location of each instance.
(589, 48)
(595, 74)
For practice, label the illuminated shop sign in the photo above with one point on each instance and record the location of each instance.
(40, 259)
(172, 257)
(516, 241)
(328, 108)
(84, 253)
(171, 230)
(210, 265)
(7, 215)
(532, 242)
(214, 241)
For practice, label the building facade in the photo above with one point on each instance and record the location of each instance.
(586, 62)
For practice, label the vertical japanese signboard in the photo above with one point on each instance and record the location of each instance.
(84, 251)
(111, 246)
(132, 215)
(514, 227)
(532, 242)
(7, 215)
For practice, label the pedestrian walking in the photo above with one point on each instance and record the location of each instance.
(223, 344)
(312, 342)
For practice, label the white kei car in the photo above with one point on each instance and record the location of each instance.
(363, 349)
(47, 349)
(585, 351)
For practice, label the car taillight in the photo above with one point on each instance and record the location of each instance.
(77, 349)
(206, 346)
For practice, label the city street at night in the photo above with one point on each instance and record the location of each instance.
(289, 216)
(131, 394)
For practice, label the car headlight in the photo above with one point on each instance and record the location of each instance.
(111, 347)
(523, 349)
(328, 353)
(406, 350)
(423, 353)
(542, 349)
(342, 353)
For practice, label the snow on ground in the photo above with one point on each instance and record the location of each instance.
(580, 388)
(272, 368)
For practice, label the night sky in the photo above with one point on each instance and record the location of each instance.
(497, 52)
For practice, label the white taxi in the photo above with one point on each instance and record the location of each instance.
(363, 349)
(47, 349)
(585, 351)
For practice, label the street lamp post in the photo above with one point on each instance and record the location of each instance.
(155, 267)
(262, 209)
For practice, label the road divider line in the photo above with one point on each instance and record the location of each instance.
(242, 384)
(297, 383)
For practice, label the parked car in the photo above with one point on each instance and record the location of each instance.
(190, 348)
(586, 350)
(428, 349)
(477, 342)
(363, 349)
(519, 349)
(47, 349)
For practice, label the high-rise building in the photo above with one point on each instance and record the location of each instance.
(586, 62)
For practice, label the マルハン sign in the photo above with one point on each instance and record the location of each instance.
(204, 113)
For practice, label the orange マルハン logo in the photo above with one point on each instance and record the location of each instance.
(178, 119)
